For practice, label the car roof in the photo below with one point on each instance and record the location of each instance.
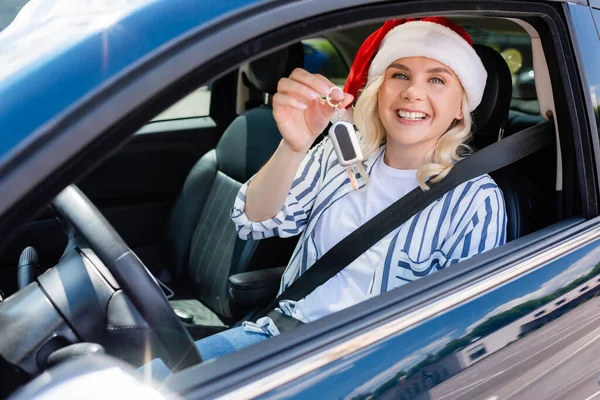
(57, 52)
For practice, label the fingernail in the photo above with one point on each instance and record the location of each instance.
(337, 95)
(302, 106)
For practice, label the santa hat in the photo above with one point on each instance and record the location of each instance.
(433, 37)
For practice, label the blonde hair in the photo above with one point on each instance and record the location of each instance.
(439, 160)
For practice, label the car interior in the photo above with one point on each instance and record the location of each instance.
(169, 190)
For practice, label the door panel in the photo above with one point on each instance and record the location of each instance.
(537, 336)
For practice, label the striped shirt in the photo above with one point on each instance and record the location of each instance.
(466, 221)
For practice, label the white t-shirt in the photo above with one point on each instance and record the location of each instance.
(351, 285)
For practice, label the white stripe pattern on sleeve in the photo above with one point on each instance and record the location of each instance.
(295, 213)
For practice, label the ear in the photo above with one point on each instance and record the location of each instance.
(459, 114)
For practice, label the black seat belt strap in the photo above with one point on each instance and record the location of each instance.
(486, 160)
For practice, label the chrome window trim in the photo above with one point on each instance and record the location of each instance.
(321, 359)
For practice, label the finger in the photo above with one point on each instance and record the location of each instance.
(294, 88)
(335, 92)
(283, 100)
(311, 80)
(319, 103)
(338, 99)
(326, 82)
(336, 95)
(348, 100)
(327, 111)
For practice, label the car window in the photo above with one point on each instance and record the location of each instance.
(591, 56)
(195, 104)
(321, 57)
(514, 44)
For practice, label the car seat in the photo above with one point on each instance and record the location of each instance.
(201, 247)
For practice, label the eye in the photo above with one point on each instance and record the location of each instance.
(398, 75)
(437, 80)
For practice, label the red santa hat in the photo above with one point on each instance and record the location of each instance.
(434, 37)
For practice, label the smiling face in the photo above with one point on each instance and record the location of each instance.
(418, 101)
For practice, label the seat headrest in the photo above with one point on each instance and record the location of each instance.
(251, 139)
(265, 72)
(248, 143)
(492, 113)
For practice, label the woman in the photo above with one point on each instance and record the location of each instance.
(418, 82)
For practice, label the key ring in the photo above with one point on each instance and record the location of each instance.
(328, 97)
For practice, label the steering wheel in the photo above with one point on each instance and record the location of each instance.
(131, 274)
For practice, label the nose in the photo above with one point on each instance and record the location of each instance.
(413, 92)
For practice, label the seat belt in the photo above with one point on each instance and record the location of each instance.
(486, 160)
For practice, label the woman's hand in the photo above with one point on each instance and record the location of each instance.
(300, 113)
(301, 116)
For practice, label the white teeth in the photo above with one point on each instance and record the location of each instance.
(411, 115)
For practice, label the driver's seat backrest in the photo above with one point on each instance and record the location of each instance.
(491, 116)
(202, 244)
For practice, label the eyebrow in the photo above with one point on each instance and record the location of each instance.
(399, 66)
(431, 71)
(439, 70)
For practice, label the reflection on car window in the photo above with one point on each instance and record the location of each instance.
(590, 51)
(515, 46)
(321, 57)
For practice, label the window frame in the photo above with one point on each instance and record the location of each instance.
(586, 81)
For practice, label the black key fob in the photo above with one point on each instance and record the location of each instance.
(345, 143)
